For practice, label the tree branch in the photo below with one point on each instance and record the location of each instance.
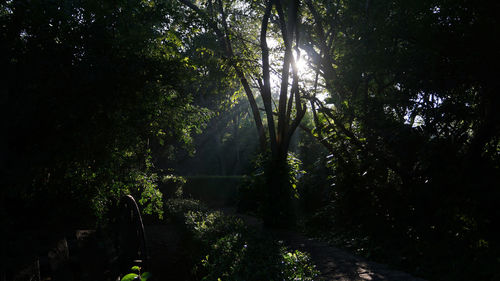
(266, 87)
(225, 43)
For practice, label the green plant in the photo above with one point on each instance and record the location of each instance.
(253, 189)
(297, 265)
(172, 185)
(136, 275)
(224, 248)
(295, 172)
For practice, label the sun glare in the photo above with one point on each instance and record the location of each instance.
(301, 64)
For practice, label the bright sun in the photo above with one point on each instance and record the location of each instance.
(301, 64)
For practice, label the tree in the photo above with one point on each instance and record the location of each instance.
(283, 118)
(91, 90)
(408, 121)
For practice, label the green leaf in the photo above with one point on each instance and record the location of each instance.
(136, 268)
(130, 277)
(146, 275)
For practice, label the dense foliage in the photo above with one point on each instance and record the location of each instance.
(411, 129)
(224, 248)
(89, 92)
(98, 98)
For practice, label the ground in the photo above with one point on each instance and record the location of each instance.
(168, 251)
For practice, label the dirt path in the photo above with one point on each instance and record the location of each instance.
(333, 263)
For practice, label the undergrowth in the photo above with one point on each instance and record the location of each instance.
(224, 248)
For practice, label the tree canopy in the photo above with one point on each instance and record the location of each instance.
(89, 92)
(103, 99)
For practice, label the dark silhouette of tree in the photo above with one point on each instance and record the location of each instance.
(89, 90)
(410, 125)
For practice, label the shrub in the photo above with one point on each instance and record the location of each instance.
(172, 185)
(226, 249)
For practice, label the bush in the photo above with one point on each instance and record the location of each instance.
(224, 248)
(176, 209)
(172, 186)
